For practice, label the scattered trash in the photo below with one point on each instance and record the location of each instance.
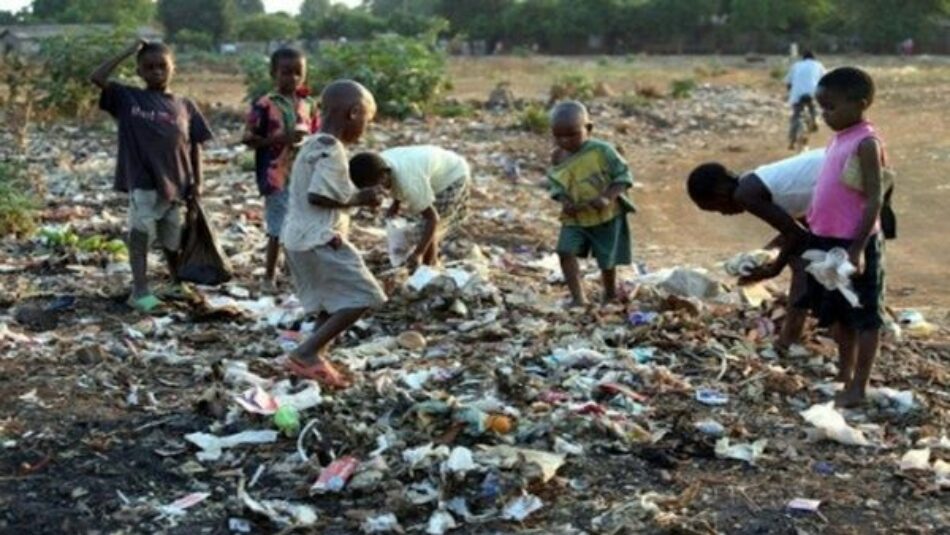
(287, 420)
(212, 446)
(830, 425)
(280, 512)
(833, 270)
(916, 460)
(440, 522)
(708, 396)
(178, 507)
(913, 324)
(334, 476)
(522, 507)
(711, 428)
(748, 452)
(743, 263)
(804, 504)
(386, 523)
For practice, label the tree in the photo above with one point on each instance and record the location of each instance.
(314, 9)
(215, 17)
(128, 12)
(268, 27)
(341, 21)
(388, 8)
(246, 8)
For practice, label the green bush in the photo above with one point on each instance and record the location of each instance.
(535, 119)
(17, 200)
(682, 88)
(194, 40)
(67, 62)
(405, 74)
(452, 108)
(629, 103)
(572, 86)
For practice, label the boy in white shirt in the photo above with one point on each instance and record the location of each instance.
(329, 275)
(431, 182)
(780, 194)
(801, 82)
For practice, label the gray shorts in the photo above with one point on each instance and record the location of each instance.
(275, 212)
(329, 280)
(159, 218)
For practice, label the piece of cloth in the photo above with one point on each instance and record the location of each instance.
(836, 210)
(587, 174)
(275, 212)
(328, 279)
(608, 242)
(830, 306)
(452, 206)
(156, 134)
(803, 78)
(792, 181)
(272, 115)
(160, 218)
(321, 168)
(421, 172)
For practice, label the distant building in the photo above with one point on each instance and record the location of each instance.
(26, 38)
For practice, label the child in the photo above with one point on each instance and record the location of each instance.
(432, 182)
(159, 157)
(842, 216)
(780, 194)
(589, 179)
(276, 124)
(801, 81)
(329, 275)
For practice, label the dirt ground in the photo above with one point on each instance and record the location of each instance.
(77, 455)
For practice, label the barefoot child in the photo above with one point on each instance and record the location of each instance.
(159, 157)
(276, 124)
(329, 275)
(846, 216)
(780, 194)
(589, 178)
(430, 181)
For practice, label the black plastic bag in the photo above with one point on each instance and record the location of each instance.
(201, 260)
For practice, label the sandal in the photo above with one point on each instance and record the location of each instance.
(147, 304)
(322, 372)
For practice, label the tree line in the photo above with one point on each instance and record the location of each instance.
(552, 26)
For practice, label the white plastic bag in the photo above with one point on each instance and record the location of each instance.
(399, 240)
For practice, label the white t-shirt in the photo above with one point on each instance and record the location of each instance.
(803, 77)
(420, 172)
(792, 181)
(321, 167)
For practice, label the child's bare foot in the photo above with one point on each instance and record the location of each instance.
(842, 377)
(575, 303)
(849, 398)
(322, 371)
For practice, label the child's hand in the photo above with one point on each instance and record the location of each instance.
(568, 207)
(856, 257)
(599, 203)
(335, 242)
(368, 197)
(137, 45)
(760, 273)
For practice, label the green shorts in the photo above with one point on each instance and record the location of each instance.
(161, 219)
(609, 242)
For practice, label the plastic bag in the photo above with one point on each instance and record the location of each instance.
(399, 240)
(202, 260)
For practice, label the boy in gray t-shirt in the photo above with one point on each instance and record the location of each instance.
(158, 160)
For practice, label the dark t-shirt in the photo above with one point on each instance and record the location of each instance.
(156, 134)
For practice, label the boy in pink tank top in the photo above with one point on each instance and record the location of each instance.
(847, 217)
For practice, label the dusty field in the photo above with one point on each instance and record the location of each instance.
(95, 401)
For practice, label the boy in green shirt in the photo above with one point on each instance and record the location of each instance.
(589, 178)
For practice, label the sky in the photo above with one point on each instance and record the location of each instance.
(290, 6)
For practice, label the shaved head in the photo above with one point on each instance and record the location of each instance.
(342, 95)
(569, 112)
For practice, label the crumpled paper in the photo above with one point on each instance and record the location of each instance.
(831, 425)
(833, 270)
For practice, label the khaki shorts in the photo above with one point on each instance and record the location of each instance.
(328, 279)
(159, 218)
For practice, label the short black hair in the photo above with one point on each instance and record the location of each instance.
(808, 54)
(706, 182)
(367, 169)
(852, 82)
(282, 53)
(154, 48)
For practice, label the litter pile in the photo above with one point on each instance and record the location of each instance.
(480, 403)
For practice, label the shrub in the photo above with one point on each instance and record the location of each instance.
(572, 86)
(535, 119)
(649, 91)
(405, 74)
(682, 88)
(67, 62)
(629, 103)
(194, 40)
(777, 73)
(452, 108)
(17, 200)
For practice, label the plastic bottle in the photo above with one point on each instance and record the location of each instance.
(287, 420)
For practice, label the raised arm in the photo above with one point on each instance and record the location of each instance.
(100, 76)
